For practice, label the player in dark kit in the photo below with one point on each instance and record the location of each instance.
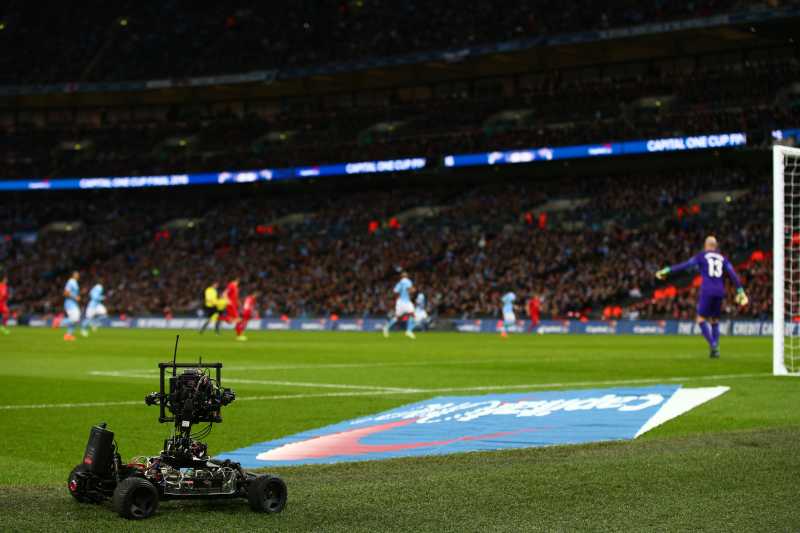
(713, 266)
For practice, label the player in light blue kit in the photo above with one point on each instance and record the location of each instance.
(95, 309)
(403, 307)
(420, 313)
(509, 318)
(712, 266)
(72, 310)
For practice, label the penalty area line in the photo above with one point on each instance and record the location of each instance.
(401, 392)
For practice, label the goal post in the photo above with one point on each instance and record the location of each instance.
(786, 261)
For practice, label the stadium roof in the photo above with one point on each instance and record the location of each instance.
(750, 29)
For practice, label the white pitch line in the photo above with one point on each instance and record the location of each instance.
(318, 385)
(67, 405)
(324, 366)
(530, 386)
(388, 392)
(121, 374)
(605, 382)
(269, 382)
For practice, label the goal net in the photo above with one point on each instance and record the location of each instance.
(786, 261)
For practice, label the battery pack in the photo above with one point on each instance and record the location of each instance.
(99, 454)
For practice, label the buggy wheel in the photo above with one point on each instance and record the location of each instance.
(135, 498)
(76, 483)
(267, 494)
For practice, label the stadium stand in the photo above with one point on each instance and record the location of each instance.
(589, 245)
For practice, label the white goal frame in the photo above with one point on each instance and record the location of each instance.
(779, 322)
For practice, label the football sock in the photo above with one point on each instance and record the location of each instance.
(706, 331)
(715, 334)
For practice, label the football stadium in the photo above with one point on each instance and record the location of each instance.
(364, 265)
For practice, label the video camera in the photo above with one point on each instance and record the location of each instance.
(193, 396)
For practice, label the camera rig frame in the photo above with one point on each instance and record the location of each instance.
(183, 469)
(193, 397)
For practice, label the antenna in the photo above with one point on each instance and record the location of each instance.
(175, 355)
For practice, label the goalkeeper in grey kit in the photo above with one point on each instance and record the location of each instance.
(713, 266)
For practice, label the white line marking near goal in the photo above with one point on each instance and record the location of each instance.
(389, 392)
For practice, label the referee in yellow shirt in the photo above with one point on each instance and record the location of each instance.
(211, 305)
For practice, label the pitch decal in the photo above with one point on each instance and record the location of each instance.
(479, 423)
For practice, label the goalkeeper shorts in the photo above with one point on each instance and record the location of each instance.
(709, 306)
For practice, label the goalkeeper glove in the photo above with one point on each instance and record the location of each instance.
(662, 274)
(741, 297)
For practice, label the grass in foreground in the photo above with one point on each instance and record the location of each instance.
(737, 481)
(730, 464)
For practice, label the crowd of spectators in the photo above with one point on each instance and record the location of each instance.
(316, 252)
(127, 40)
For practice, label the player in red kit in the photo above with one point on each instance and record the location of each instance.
(533, 311)
(248, 309)
(4, 312)
(232, 295)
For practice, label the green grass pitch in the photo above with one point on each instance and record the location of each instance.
(731, 464)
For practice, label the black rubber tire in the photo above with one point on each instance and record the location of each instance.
(135, 498)
(267, 494)
(78, 494)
